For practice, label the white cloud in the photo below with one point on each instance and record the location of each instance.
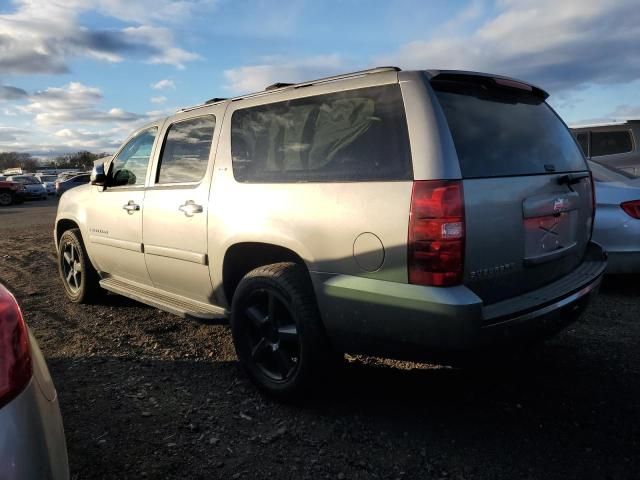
(159, 99)
(68, 118)
(42, 36)
(559, 45)
(277, 69)
(163, 84)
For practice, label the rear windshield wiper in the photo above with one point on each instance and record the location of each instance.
(572, 178)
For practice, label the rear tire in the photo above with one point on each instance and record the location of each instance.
(80, 279)
(6, 199)
(277, 331)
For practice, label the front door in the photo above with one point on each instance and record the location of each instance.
(176, 204)
(115, 214)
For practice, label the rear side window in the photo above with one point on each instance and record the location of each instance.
(356, 135)
(610, 143)
(185, 154)
(503, 132)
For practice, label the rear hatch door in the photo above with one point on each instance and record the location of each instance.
(527, 188)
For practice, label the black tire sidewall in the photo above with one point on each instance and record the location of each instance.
(11, 199)
(72, 237)
(305, 317)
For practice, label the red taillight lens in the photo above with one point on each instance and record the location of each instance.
(631, 208)
(436, 233)
(15, 359)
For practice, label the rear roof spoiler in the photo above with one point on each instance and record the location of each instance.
(477, 77)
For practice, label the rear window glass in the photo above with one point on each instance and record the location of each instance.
(356, 135)
(503, 132)
(610, 143)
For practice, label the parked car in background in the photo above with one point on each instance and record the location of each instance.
(49, 181)
(617, 222)
(11, 192)
(34, 189)
(72, 182)
(415, 214)
(32, 442)
(614, 144)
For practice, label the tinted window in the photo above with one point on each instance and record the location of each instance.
(130, 166)
(81, 179)
(356, 135)
(502, 132)
(185, 154)
(583, 141)
(610, 143)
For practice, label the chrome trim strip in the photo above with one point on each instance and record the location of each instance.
(114, 242)
(193, 257)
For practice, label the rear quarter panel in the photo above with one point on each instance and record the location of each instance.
(318, 221)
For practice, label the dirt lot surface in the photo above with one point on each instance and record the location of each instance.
(145, 394)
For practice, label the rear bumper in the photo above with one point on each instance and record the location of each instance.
(385, 318)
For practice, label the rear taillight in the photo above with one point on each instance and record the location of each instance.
(631, 208)
(436, 233)
(15, 359)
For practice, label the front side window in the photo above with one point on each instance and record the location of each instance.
(130, 166)
(610, 143)
(185, 154)
(355, 135)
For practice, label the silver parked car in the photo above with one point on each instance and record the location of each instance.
(614, 144)
(399, 213)
(32, 443)
(617, 224)
(49, 181)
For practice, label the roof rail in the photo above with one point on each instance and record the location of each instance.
(280, 85)
(277, 85)
(332, 78)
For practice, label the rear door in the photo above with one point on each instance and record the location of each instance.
(527, 189)
(176, 205)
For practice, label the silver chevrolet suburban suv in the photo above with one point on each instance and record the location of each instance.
(396, 213)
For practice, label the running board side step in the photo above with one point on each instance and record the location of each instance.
(168, 302)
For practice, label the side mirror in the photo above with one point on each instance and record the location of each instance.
(98, 175)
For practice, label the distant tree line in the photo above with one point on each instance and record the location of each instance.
(81, 160)
(17, 159)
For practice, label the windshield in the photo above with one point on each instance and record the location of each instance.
(605, 173)
(26, 180)
(49, 178)
(502, 132)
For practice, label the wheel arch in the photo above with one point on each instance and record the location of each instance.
(240, 258)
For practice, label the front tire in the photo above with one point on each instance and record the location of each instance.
(80, 279)
(277, 332)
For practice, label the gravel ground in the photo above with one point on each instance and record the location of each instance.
(145, 394)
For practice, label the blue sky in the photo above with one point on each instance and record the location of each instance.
(81, 74)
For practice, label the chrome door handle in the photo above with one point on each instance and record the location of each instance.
(131, 207)
(190, 208)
